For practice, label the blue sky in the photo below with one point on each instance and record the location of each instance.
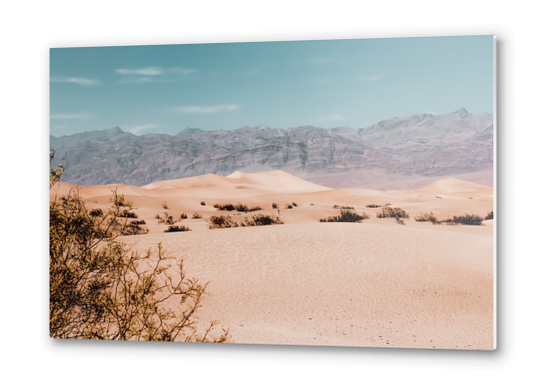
(327, 83)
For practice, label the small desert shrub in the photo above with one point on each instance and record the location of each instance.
(427, 217)
(129, 214)
(294, 204)
(139, 222)
(386, 205)
(157, 216)
(388, 212)
(260, 219)
(224, 207)
(344, 207)
(467, 219)
(164, 205)
(202, 202)
(489, 216)
(275, 206)
(196, 216)
(373, 206)
(438, 197)
(167, 219)
(177, 228)
(216, 222)
(96, 212)
(184, 216)
(133, 228)
(346, 216)
(288, 206)
(398, 220)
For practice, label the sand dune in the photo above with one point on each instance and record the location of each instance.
(374, 283)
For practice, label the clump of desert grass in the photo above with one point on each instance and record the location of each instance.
(202, 202)
(177, 228)
(157, 216)
(166, 219)
(389, 212)
(165, 206)
(336, 206)
(259, 219)
(430, 217)
(294, 204)
(489, 216)
(128, 214)
(134, 228)
(275, 206)
(139, 222)
(238, 207)
(196, 216)
(217, 222)
(346, 216)
(373, 206)
(184, 216)
(288, 206)
(466, 219)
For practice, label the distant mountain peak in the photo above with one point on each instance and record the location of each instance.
(191, 130)
(462, 112)
(115, 129)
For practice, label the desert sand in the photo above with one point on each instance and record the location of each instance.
(374, 283)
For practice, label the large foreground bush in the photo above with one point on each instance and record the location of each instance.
(100, 289)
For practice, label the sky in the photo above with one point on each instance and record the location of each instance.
(325, 83)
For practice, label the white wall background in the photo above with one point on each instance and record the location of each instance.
(29, 28)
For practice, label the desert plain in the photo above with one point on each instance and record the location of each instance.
(374, 284)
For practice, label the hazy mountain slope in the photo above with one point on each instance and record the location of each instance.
(423, 145)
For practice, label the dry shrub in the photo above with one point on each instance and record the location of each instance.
(196, 216)
(184, 216)
(346, 216)
(343, 207)
(373, 206)
(238, 207)
(164, 205)
(166, 219)
(427, 217)
(202, 202)
(129, 214)
(294, 204)
(260, 219)
(288, 206)
(217, 222)
(468, 219)
(275, 206)
(96, 212)
(489, 216)
(389, 212)
(177, 228)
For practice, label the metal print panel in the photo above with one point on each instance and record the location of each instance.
(332, 193)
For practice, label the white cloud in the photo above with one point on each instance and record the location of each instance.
(82, 115)
(181, 70)
(135, 129)
(206, 109)
(76, 80)
(371, 77)
(150, 71)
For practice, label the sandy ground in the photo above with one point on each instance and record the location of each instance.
(374, 283)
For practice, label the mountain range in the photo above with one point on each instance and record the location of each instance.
(414, 148)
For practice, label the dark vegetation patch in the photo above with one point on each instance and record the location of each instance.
(164, 205)
(238, 207)
(489, 216)
(389, 212)
(294, 204)
(96, 212)
(426, 217)
(196, 216)
(216, 222)
(346, 216)
(166, 219)
(466, 219)
(373, 206)
(184, 216)
(288, 206)
(202, 202)
(128, 214)
(336, 206)
(260, 219)
(275, 206)
(177, 228)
